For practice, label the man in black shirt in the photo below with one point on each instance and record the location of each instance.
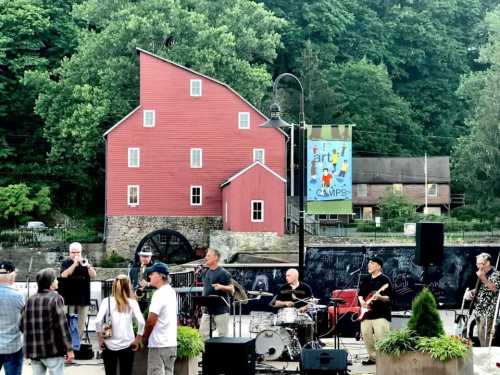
(140, 284)
(375, 295)
(76, 273)
(293, 292)
(216, 281)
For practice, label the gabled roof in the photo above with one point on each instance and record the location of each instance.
(119, 122)
(246, 169)
(209, 78)
(400, 170)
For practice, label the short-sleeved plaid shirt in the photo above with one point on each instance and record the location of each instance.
(11, 306)
(46, 332)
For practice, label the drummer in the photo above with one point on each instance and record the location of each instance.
(293, 293)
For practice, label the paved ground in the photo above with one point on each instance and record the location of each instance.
(356, 352)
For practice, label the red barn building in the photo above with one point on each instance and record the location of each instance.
(170, 159)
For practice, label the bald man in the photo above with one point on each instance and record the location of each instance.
(291, 294)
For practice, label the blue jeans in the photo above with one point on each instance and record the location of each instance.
(13, 363)
(55, 366)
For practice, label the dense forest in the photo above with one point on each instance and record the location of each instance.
(415, 76)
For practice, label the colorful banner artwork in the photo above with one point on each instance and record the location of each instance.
(329, 169)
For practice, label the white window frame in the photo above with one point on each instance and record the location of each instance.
(130, 150)
(396, 189)
(144, 123)
(129, 188)
(429, 189)
(362, 192)
(192, 159)
(255, 151)
(192, 86)
(191, 195)
(261, 220)
(240, 121)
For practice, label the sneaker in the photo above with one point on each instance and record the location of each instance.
(368, 362)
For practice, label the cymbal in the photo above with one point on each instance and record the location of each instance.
(259, 293)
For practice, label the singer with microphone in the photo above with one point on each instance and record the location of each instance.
(76, 273)
(216, 281)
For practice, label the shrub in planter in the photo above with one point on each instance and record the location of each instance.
(443, 348)
(189, 342)
(425, 319)
(398, 342)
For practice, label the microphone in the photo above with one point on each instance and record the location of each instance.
(354, 272)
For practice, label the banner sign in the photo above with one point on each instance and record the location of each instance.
(329, 169)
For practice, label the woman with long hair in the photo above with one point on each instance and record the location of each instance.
(119, 311)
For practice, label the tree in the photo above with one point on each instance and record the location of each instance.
(394, 206)
(98, 84)
(425, 319)
(476, 156)
(18, 204)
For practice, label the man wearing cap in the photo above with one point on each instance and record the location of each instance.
(139, 280)
(160, 333)
(375, 295)
(76, 273)
(11, 306)
(216, 282)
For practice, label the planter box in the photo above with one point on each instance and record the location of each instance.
(418, 363)
(186, 366)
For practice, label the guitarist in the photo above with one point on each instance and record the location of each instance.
(375, 294)
(486, 297)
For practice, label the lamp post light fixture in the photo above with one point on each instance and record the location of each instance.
(276, 122)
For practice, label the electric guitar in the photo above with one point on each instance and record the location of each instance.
(366, 310)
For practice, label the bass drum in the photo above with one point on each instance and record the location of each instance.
(271, 343)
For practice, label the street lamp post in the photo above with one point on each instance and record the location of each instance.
(276, 122)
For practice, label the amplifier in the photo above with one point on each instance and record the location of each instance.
(229, 356)
(323, 361)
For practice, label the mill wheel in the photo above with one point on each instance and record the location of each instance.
(167, 246)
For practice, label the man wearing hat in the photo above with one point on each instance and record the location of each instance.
(375, 295)
(138, 278)
(160, 333)
(11, 306)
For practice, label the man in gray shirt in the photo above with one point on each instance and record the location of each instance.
(11, 305)
(216, 281)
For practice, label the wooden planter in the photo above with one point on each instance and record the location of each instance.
(418, 363)
(181, 367)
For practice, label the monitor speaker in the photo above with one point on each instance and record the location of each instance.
(229, 356)
(429, 239)
(323, 361)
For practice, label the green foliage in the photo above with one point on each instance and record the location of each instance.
(189, 342)
(396, 206)
(443, 348)
(425, 320)
(398, 342)
(113, 261)
(18, 204)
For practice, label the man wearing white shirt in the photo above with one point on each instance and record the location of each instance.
(160, 333)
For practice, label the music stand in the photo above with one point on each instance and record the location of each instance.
(208, 302)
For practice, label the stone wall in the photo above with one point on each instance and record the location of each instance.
(123, 233)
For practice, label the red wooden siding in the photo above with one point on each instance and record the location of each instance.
(183, 122)
(255, 184)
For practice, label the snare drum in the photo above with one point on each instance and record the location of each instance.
(260, 321)
(287, 315)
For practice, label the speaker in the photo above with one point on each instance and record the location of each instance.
(429, 239)
(229, 356)
(323, 361)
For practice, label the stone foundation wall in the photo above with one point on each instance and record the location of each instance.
(123, 233)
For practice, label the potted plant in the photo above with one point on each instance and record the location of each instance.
(189, 347)
(423, 346)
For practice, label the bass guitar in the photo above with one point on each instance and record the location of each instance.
(369, 299)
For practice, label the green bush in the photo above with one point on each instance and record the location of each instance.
(425, 319)
(189, 342)
(398, 342)
(465, 213)
(113, 261)
(443, 348)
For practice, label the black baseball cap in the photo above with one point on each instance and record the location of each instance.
(6, 267)
(377, 260)
(157, 267)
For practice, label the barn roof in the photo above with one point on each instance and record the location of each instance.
(246, 169)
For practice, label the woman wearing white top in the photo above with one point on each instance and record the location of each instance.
(122, 344)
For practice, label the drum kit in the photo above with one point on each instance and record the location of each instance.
(279, 335)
